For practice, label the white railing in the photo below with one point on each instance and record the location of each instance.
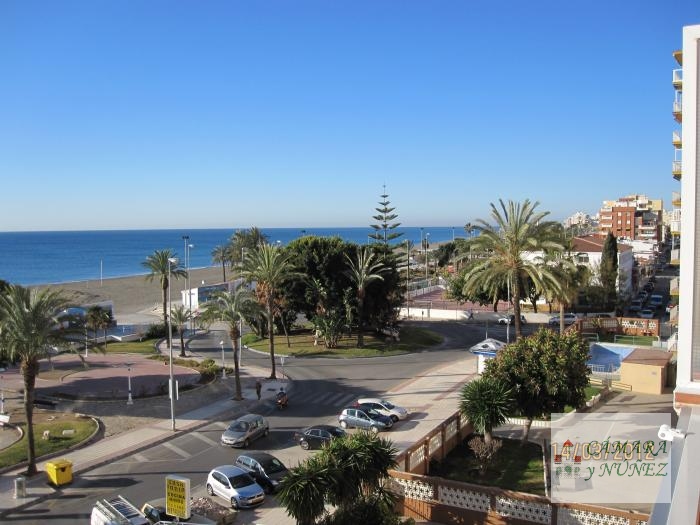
(677, 138)
(677, 166)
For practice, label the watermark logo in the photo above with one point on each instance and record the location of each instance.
(605, 458)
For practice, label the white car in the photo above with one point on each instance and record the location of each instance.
(384, 407)
(568, 319)
(236, 486)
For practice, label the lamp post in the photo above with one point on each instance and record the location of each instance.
(129, 401)
(171, 261)
(223, 363)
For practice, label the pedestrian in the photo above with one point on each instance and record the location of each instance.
(258, 388)
(471, 314)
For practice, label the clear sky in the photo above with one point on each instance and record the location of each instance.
(188, 114)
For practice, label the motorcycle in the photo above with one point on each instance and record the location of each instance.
(282, 402)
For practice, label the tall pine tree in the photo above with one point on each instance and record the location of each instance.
(608, 270)
(384, 231)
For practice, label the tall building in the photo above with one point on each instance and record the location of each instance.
(634, 217)
(685, 451)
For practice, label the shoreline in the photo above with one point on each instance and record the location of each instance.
(135, 299)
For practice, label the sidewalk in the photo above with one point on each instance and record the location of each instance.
(432, 397)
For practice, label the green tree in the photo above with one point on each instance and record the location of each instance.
(29, 328)
(179, 317)
(221, 255)
(231, 309)
(545, 372)
(384, 231)
(608, 271)
(269, 266)
(363, 270)
(486, 404)
(517, 229)
(158, 263)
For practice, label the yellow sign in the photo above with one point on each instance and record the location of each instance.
(177, 496)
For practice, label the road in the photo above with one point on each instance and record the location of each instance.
(321, 388)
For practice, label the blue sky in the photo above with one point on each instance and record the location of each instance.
(134, 114)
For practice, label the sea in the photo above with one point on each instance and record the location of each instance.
(30, 258)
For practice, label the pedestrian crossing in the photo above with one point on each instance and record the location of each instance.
(327, 399)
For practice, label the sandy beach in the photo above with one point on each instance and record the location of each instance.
(135, 299)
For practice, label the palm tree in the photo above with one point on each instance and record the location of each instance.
(231, 308)
(29, 328)
(362, 272)
(220, 255)
(161, 268)
(569, 277)
(99, 318)
(269, 267)
(486, 404)
(303, 490)
(179, 317)
(518, 229)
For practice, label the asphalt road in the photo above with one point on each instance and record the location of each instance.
(321, 388)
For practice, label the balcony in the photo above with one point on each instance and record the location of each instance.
(678, 55)
(675, 227)
(678, 78)
(676, 199)
(678, 111)
(677, 142)
(674, 287)
(677, 169)
(673, 315)
(675, 257)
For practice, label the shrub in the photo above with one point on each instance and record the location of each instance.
(156, 331)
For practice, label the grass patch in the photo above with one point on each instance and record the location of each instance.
(514, 467)
(636, 340)
(145, 347)
(592, 391)
(17, 453)
(302, 344)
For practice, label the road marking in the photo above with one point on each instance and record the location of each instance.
(221, 425)
(177, 450)
(204, 438)
(139, 458)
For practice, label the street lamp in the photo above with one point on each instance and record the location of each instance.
(223, 362)
(171, 261)
(129, 401)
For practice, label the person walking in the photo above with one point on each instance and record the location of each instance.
(258, 388)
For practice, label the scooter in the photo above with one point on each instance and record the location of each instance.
(282, 402)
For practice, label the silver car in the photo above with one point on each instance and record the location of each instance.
(235, 485)
(384, 407)
(244, 430)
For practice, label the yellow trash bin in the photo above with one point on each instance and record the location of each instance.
(60, 472)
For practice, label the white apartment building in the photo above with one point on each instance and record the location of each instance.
(685, 451)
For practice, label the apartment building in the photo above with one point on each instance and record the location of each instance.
(634, 217)
(685, 451)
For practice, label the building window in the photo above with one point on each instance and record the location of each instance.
(582, 258)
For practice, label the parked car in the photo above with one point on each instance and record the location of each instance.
(510, 319)
(635, 305)
(568, 319)
(266, 469)
(364, 418)
(244, 430)
(384, 407)
(318, 435)
(647, 313)
(234, 485)
(656, 300)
